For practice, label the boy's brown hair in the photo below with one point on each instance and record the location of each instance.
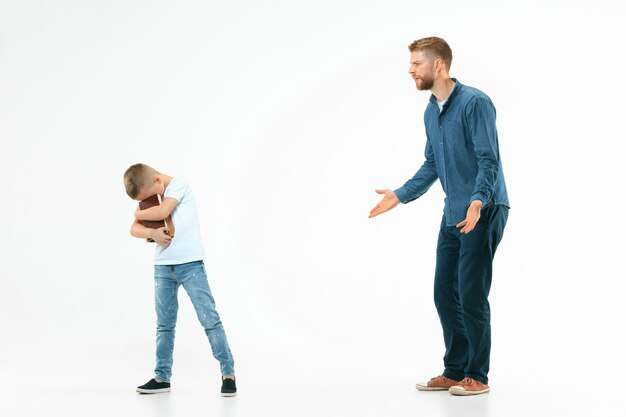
(138, 176)
(437, 47)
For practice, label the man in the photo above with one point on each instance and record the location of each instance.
(462, 151)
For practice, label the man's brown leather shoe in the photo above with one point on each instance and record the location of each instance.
(438, 383)
(469, 386)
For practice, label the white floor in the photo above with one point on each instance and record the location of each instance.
(316, 396)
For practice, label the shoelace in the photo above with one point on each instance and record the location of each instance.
(467, 381)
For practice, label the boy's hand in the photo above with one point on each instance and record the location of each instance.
(160, 236)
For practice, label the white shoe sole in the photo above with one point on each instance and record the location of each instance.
(152, 391)
(228, 394)
(459, 391)
(424, 387)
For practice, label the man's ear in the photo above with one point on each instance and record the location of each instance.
(439, 64)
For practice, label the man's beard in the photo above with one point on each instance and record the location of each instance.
(426, 83)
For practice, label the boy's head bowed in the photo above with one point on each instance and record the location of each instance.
(138, 177)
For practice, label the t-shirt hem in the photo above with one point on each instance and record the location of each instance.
(178, 261)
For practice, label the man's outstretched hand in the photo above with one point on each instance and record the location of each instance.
(388, 202)
(472, 217)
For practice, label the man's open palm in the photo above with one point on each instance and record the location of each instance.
(388, 202)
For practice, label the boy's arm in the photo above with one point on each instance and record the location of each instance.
(137, 229)
(159, 212)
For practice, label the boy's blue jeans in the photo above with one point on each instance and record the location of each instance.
(192, 276)
(462, 284)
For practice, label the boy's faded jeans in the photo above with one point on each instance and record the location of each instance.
(192, 276)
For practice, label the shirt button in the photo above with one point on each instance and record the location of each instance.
(440, 127)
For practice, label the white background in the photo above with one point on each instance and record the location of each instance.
(285, 116)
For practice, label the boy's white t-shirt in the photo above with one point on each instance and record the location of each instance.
(186, 245)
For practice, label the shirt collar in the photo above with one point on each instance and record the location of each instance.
(454, 92)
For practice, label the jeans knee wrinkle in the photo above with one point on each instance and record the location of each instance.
(166, 327)
(210, 320)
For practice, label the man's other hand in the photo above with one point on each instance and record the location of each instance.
(472, 217)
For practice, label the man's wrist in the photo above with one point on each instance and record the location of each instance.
(400, 194)
(476, 204)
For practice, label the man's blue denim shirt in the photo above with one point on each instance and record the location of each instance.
(462, 151)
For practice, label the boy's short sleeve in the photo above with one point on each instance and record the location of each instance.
(176, 189)
(186, 245)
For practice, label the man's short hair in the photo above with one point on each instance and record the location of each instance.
(138, 176)
(435, 46)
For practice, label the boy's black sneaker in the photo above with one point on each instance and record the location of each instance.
(229, 389)
(154, 387)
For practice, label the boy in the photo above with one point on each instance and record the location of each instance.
(178, 261)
